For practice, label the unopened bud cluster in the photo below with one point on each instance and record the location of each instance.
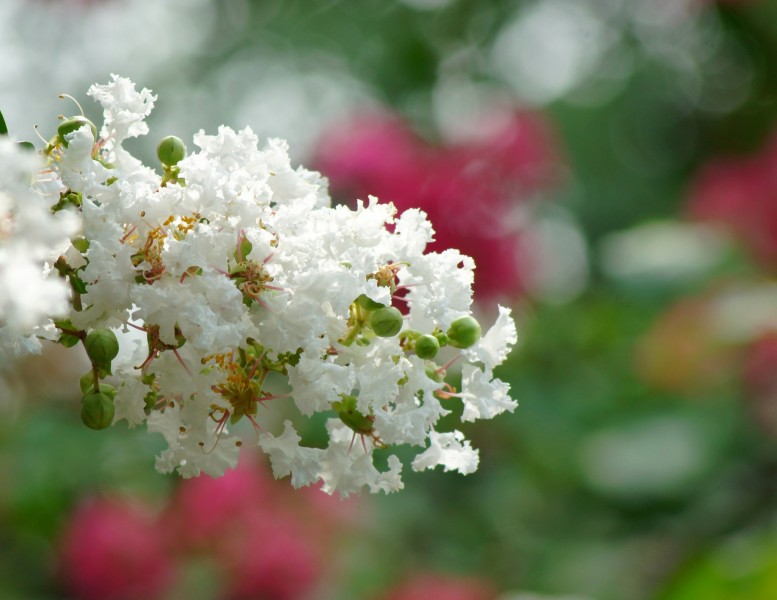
(244, 281)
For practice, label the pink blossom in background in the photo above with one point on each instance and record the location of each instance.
(760, 381)
(113, 549)
(271, 557)
(741, 194)
(760, 370)
(428, 586)
(469, 190)
(206, 510)
(252, 529)
(264, 539)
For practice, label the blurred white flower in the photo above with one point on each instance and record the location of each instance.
(31, 239)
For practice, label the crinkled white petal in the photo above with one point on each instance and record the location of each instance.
(492, 349)
(451, 451)
(484, 397)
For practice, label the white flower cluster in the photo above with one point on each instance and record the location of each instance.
(31, 239)
(239, 272)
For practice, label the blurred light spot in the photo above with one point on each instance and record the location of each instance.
(654, 457)
(745, 311)
(561, 272)
(662, 250)
(550, 48)
(427, 4)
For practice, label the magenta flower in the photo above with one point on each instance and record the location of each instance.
(741, 194)
(113, 549)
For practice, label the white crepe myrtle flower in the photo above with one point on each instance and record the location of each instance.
(240, 275)
(31, 239)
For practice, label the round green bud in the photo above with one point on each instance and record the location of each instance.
(73, 124)
(171, 150)
(427, 347)
(463, 332)
(368, 304)
(442, 339)
(386, 322)
(101, 346)
(97, 410)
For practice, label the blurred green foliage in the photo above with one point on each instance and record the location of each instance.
(601, 484)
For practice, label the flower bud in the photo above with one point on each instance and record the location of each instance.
(386, 322)
(101, 346)
(427, 347)
(97, 410)
(171, 150)
(73, 124)
(442, 339)
(463, 332)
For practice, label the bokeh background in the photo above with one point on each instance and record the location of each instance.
(612, 167)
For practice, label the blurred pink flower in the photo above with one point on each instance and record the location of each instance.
(113, 549)
(760, 381)
(271, 557)
(268, 540)
(469, 189)
(206, 510)
(426, 586)
(263, 539)
(741, 194)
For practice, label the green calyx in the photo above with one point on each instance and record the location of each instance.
(427, 347)
(86, 384)
(171, 150)
(97, 410)
(73, 124)
(101, 346)
(433, 373)
(351, 417)
(386, 322)
(463, 332)
(368, 304)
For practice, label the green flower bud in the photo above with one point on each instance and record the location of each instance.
(73, 124)
(442, 339)
(171, 150)
(386, 322)
(97, 410)
(463, 332)
(368, 303)
(101, 346)
(427, 347)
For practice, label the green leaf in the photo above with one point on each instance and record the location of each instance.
(26, 146)
(3, 126)
(67, 340)
(77, 284)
